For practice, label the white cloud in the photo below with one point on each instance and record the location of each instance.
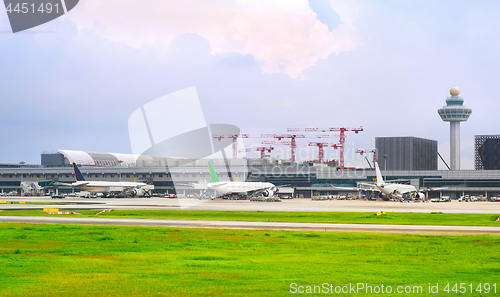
(284, 36)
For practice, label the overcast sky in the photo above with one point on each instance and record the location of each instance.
(261, 65)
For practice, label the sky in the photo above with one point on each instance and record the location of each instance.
(261, 65)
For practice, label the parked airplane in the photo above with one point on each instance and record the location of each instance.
(109, 187)
(399, 191)
(233, 187)
(395, 190)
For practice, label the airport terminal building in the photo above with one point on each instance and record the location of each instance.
(487, 152)
(306, 180)
(407, 153)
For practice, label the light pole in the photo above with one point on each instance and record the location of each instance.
(120, 162)
(385, 168)
(22, 175)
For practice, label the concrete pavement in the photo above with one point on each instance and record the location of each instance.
(286, 205)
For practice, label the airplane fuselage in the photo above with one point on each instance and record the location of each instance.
(396, 189)
(106, 187)
(239, 187)
(133, 188)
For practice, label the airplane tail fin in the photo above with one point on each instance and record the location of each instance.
(380, 180)
(213, 176)
(77, 173)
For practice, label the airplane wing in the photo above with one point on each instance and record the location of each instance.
(418, 192)
(75, 184)
(265, 191)
(345, 188)
(220, 183)
(128, 188)
(80, 183)
(132, 189)
(197, 185)
(62, 184)
(434, 189)
(124, 189)
(369, 187)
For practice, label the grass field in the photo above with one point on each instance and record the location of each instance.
(278, 216)
(38, 203)
(82, 260)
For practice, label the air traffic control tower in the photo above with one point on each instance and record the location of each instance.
(454, 112)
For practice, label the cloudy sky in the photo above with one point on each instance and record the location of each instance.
(261, 65)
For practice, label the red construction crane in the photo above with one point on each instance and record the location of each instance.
(368, 151)
(342, 131)
(320, 145)
(321, 151)
(292, 137)
(261, 149)
(236, 136)
(293, 143)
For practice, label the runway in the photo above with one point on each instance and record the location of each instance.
(245, 205)
(322, 227)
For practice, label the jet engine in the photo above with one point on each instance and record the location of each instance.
(138, 192)
(268, 193)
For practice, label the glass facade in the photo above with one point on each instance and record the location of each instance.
(104, 159)
(487, 152)
(455, 113)
(454, 110)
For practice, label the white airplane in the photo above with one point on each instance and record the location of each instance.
(395, 190)
(232, 187)
(108, 187)
(399, 190)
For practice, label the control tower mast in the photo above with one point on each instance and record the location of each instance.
(454, 112)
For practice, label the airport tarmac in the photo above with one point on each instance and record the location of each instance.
(285, 205)
(322, 227)
(242, 205)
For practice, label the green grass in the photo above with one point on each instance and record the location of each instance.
(82, 260)
(278, 216)
(39, 203)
